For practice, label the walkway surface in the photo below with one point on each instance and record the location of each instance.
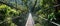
(30, 21)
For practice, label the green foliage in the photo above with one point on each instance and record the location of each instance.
(7, 11)
(37, 24)
(41, 2)
(46, 12)
(46, 9)
(51, 16)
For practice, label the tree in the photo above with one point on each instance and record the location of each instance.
(6, 14)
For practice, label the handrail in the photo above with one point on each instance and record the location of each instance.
(56, 5)
(51, 21)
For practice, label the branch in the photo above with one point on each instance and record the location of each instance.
(8, 4)
(34, 6)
